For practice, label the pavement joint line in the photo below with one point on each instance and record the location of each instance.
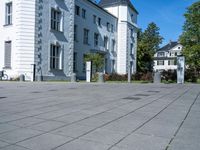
(15, 145)
(148, 119)
(74, 121)
(114, 120)
(55, 110)
(172, 139)
(88, 118)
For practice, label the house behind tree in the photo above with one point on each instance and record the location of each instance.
(166, 57)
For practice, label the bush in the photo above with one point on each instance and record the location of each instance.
(169, 75)
(116, 77)
(191, 76)
(138, 76)
(148, 76)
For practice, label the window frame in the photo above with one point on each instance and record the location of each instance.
(96, 39)
(77, 10)
(86, 36)
(75, 33)
(99, 21)
(8, 14)
(106, 43)
(6, 66)
(83, 13)
(56, 20)
(55, 57)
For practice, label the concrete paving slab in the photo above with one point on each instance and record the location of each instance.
(47, 126)
(3, 144)
(102, 136)
(18, 135)
(26, 122)
(6, 127)
(14, 147)
(83, 145)
(44, 142)
(96, 116)
(74, 130)
(143, 142)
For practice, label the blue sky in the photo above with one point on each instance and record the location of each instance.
(167, 14)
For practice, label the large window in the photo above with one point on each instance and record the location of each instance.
(96, 39)
(83, 13)
(77, 10)
(106, 42)
(94, 19)
(8, 20)
(171, 62)
(55, 19)
(161, 54)
(99, 22)
(113, 66)
(160, 63)
(131, 49)
(75, 33)
(113, 45)
(112, 28)
(7, 60)
(75, 62)
(108, 26)
(55, 57)
(86, 36)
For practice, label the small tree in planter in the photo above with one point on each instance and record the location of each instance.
(97, 62)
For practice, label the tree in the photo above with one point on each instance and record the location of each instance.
(97, 60)
(190, 38)
(148, 44)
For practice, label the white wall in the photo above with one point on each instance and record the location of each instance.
(22, 35)
(125, 23)
(88, 23)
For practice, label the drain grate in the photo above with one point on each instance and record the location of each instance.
(142, 95)
(52, 90)
(153, 91)
(72, 88)
(36, 92)
(2, 97)
(132, 98)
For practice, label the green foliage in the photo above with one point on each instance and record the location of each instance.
(190, 37)
(148, 44)
(97, 60)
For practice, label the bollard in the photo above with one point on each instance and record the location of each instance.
(22, 78)
(73, 77)
(157, 77)
(101, 77)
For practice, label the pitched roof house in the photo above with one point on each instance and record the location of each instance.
(165, 57)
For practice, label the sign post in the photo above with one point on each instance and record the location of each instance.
(180, 69)
(88, 71)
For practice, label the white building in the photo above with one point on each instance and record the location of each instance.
(126, 33)
(166, 57)
(37, 32)
(55, 35)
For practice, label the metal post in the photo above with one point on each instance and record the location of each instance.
(88, 71)
(33, 69)
(129, 72)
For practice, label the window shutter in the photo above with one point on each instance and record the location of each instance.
(7, 60)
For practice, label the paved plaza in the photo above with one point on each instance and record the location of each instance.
(80, 116)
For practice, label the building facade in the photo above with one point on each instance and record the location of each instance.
(48, 40)
(166, 57)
